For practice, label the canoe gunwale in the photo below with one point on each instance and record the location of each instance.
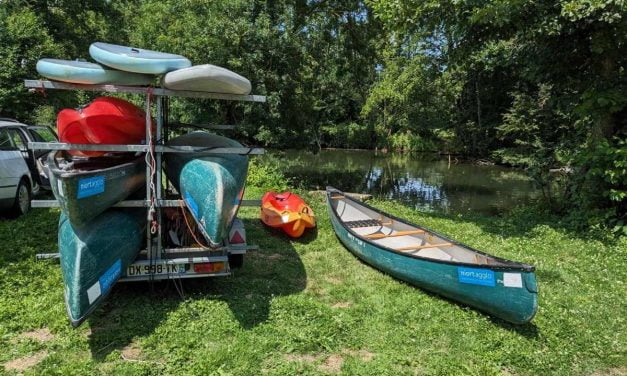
(65, 174)
(511, 265)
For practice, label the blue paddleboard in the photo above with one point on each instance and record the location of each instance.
(135, 59)
(83, 72)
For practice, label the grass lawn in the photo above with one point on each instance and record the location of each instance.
(310, 307)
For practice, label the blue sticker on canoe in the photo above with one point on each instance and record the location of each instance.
(91, 186)
(474, 276)
(191, 204)
(110, 276)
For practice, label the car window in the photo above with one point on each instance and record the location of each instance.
(42, 134)
(5, 140)
(17, 138)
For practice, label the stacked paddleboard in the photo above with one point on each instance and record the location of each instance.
(122, 65)
(96, 241)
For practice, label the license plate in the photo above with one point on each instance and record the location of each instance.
(135, 270)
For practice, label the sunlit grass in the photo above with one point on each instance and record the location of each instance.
(308, 306)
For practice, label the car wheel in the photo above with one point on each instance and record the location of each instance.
(21, 205)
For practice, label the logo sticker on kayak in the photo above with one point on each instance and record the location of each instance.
(474, 276)
(108, 278)
(191, 204)
(104, 283)
(90, 186)
(512, 280)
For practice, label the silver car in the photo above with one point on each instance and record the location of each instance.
(23, 172)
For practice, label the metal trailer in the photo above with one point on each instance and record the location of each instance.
(157, 262)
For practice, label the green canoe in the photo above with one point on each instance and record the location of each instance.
(95, 256)
(505, 289)
(212, 185)
(86, 187)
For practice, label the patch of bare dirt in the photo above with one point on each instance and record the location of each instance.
(332, 364)
(364, 355)
(342, 305)
(334, 280)
(307, 358)
(268, 256)
(619, 371)
(41, 335)
(26, 362)
(131, 352)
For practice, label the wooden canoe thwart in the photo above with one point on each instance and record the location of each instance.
(505, 289)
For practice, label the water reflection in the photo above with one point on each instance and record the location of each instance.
(423, 181)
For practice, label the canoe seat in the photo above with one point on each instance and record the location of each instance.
(366, 223)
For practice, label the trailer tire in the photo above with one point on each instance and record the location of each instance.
(236, 261)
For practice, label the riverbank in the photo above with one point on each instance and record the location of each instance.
(309, 306)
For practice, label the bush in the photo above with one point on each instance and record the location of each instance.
(347, 135)
(407, 141)
(266, 175)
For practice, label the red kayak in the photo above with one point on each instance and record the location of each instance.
(287, 211)
(106, 120)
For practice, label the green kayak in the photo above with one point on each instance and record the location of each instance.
(86, 187)
(95, 256)
(212, 185)
(424, 258)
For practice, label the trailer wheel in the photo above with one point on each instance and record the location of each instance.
(236, 261)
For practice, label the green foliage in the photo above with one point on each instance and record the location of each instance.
(347, 135)
(407, 141)
(539, 85)
(266, 176)
(535, 84)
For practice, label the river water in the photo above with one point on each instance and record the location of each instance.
(423, 181)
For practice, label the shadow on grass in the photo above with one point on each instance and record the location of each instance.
(136, 309)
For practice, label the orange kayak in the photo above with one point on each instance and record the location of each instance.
(287, 211)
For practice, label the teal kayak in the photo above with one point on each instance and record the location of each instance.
(211, 185)
(86, 187)
(94, 257)
(426, 259)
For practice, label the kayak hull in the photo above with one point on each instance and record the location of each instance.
(94, 257)
(105, 121)
(211, 185)
(287, 211)
(504, 289)
(94, 185)
(208, 78)
(83, 72)
(136, 60)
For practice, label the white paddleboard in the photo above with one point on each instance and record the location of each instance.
(136, 59)
(208, 78)
(83, 72)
